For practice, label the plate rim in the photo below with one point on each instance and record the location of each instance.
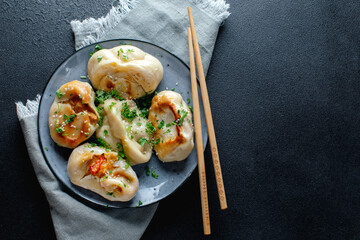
(76, 194)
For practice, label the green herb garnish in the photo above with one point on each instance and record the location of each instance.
(150, 128)
(161, 124)
(120, 150)
(126, 113)
(139, 204)
(59, 94)
(100, 110)
(59, 130)
(154, 175)
(69, 119)
(102, 143)
(97, 47)
(111, 105)
(127, 164)
(144, 104)
(101, 96)
(144, 113)
(171, 124)
(156, 142)
(104, 177)
(191, 108)
(142, 141)
(128, 128)
(183, 115)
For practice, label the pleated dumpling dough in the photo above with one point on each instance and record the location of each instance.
(173, 122)
(127, 69)
(102, 172)
(104, 132)
(73, 117)
(134, 131)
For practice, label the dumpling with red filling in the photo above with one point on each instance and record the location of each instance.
(103, 172)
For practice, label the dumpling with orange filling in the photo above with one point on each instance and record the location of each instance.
(126, 69)
(103, 172)
(173, 122)
(73, 117)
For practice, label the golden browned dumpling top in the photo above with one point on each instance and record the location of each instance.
(173, 122)
(103, 172)
(73, 117)
(127, 69)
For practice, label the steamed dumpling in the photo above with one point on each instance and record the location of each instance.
(73, 117)
(127, 69)
(134, 131)
(101, 171)
(172, 119)
(104, 132)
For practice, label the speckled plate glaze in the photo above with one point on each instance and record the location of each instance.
(171, 175)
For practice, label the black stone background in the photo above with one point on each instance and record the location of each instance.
(284, 89)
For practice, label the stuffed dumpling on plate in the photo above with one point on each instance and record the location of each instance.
(128, 125)
(102, 171)
(127, 69)
(73, 117)
(172, 119)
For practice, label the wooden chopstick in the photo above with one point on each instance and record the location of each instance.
(199, 141)
(208, 116)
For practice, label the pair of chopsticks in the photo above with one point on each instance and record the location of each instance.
(194, 45)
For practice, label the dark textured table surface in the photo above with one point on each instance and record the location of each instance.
(284, 86)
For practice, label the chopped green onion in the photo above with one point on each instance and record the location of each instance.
(59, 94)
(161, 124)
(139, 204)
(154, 175)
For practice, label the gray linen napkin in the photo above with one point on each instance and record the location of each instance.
(158, 21)
(161, 22)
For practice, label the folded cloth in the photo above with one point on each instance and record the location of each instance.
(161, 22)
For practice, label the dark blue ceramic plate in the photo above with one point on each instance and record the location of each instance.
(171, 175)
